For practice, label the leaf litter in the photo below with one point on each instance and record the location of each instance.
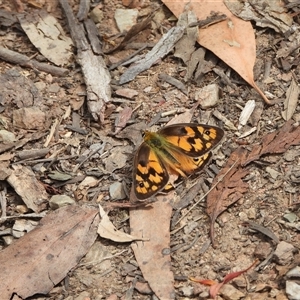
(235, 175)
(37, 262)
(225, 39)
(231, 187)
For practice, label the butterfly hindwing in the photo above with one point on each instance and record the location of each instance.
(150, 174)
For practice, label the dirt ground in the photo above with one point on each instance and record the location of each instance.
(272, 199)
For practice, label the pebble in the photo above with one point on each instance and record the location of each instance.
(83, 296)
(274, 174)
(116, 191)
(292, 290)
(58, 201)
(97, 14)
(29, 118)
(284, 253)
(127, 93)
(54, 88)
(112, 297)
(187, 291)
(208, 96)
(230, 292)
(251, 213)
(7, 137)
(243, 216)
(295, 272)
(125, 18)
(290, 217)
(262, 250)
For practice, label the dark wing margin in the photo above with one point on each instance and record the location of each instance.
(149, 174)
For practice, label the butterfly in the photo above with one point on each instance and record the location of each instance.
(180, 149)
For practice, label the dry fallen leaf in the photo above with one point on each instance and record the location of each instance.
(47, 35)
(225, 39)
(275, 142)
(107, 230)
(35, 263)
(215, 287)
(230, 188)
(291, 100)
(122, 119)
(153, 256)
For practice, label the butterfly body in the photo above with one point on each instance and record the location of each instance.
(180, 149)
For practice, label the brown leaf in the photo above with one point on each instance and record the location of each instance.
(229, 190)
(43, 257)
(153, 256)
(275, 142)
(122, 119)
(107, 230)
(225, 39)
(291, 100)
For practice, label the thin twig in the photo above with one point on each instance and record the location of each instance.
(3, 203)
(101, 147)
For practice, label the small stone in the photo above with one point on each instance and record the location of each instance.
(8, 239)
(125, 18)
(7, 137)
(292, 290)
(116, 191)
(291, 217)
(229, 292)
(40, 85)
(127, 93)
(274, 174)
(83, 296)
(22, 226)
(262, 250)
(22, 209)
(53, 88)
(147, 89)
(112, 297)
(29, 118)
(187, 291)
(243, 216)
(58, 201)
(251, 213)
(208, 96)
(284, 253)
(295, 272)
(290, 154)
(97, 14)
(143, 288)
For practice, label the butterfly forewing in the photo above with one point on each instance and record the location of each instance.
(192, 139)
(150, 175)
